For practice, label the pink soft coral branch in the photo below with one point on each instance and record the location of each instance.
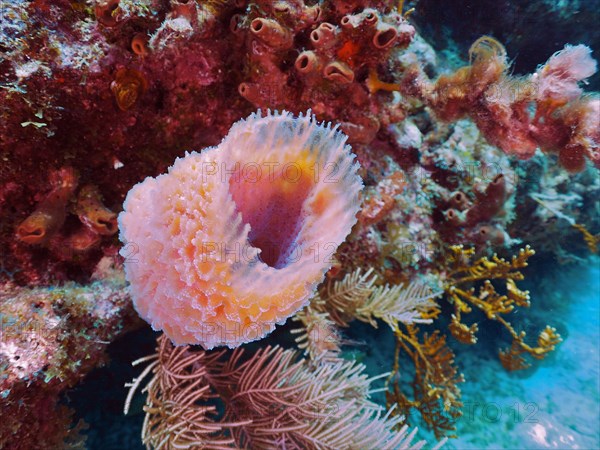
(559, 78)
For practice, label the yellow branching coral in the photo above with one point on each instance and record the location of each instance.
(463, 271)
(592, 240)
(435, 391)
(265, 400)
(461, 332)
(512, 358)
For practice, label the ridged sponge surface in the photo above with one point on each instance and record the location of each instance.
(235, 239)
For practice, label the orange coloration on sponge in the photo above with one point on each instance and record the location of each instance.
(234, 240)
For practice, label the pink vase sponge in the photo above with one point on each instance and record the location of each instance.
(235, 239)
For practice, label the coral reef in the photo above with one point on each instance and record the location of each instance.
(50, 338)
(96, 96)
(564, 122)
(339, 47)
(126, 78)
(458, 189)
(94, 88)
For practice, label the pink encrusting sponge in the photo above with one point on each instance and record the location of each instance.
(235, 239)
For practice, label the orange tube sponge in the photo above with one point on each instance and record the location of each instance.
(93, 214)
(50, 213)
(234, 240)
